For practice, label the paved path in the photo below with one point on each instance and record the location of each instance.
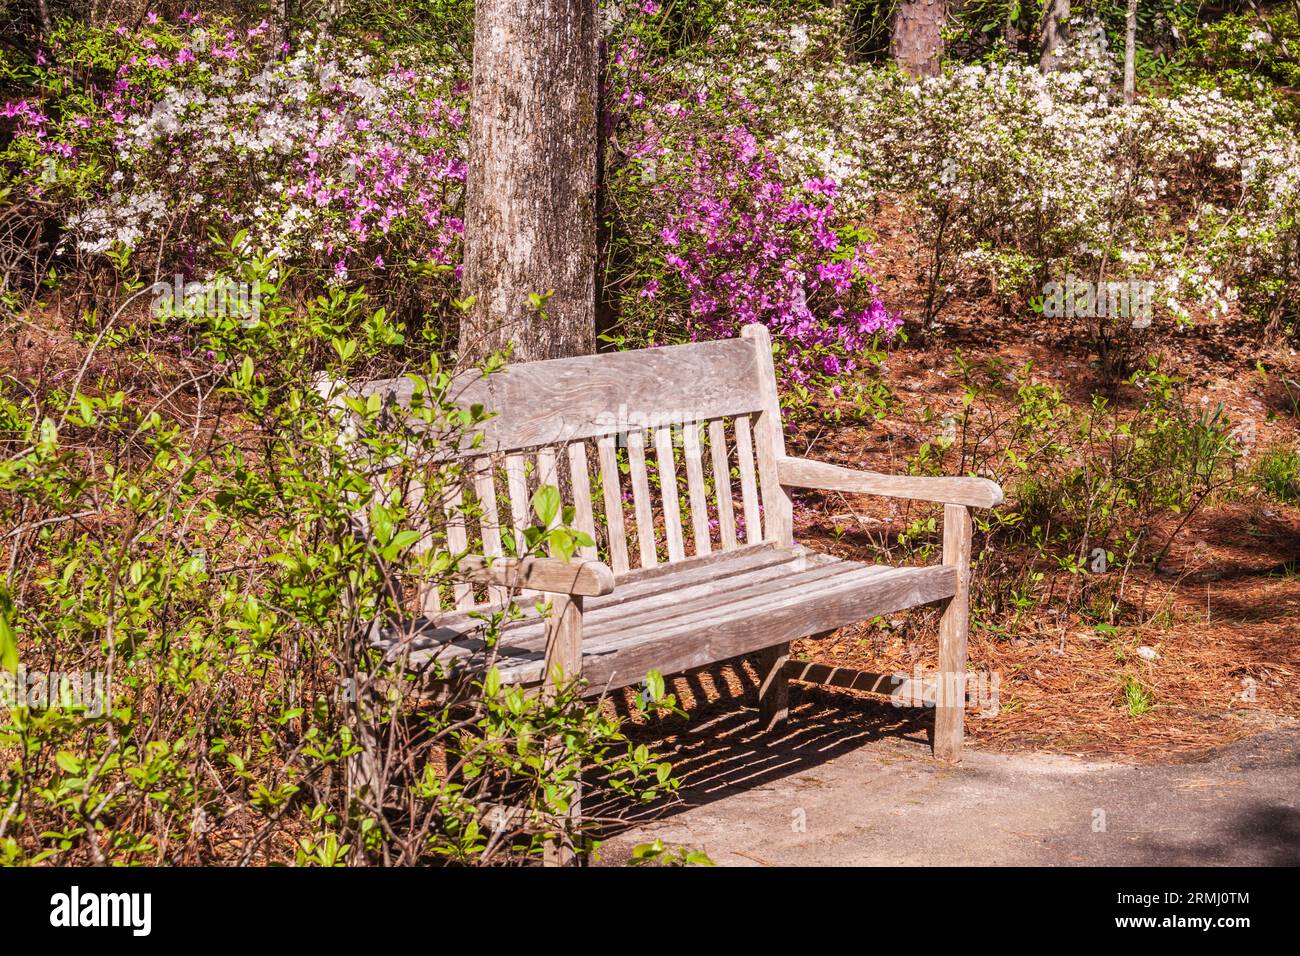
(886, 803)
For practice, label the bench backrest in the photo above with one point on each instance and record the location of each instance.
(624, 429)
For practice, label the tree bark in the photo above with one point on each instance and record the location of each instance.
(530, 217)
(47, 26)
(845, 21)
(1055, 25)
(917, 41)
(1130, 52)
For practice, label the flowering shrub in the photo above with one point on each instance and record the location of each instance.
(350, 167)
(340, 163)
(722, 233)
(747, 155)
(226, 590)
(1236, 46)
(1019, 176)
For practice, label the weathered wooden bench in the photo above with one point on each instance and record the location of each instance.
(697, 578)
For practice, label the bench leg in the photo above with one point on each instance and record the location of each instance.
(364, 770)
(774, 687)
(563, 659)
(951, 691)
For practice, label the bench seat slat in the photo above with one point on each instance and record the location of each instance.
(641, 585)
(693, 614)
(644, 583)
(757, 625)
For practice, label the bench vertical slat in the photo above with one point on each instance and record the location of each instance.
(722, 484)
(548, 474)
(453, 506)
(668, 491)
(583, 519)
(485, 492)
(429, 600)
(414, 503)
(613, 496)
(778, 520)
(645, 525)
(489, 517)
(693, 455)
(517, 488)
(748, 485)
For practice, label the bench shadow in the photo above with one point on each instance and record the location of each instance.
(719, 749)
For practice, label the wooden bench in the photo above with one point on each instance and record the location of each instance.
(688, 579)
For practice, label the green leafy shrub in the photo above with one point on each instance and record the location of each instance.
(219, 548)
(1085, 486)
(1277, 474)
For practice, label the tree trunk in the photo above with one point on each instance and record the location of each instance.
(530, 218)
(1130, 52)
(917, 43)
(47, 27)
(1055, 24)
(280, 16)
(844, 20)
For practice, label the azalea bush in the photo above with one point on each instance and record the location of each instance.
(715, 228)
(346, 166)
(153, 147)
(1240, 47)
(1019, 177)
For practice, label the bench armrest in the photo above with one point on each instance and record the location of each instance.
(552, 575)
(805, 473)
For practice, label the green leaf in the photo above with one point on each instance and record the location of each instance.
(546, 504)
(562, 544)
(8, 642)
(404, 539)
(654, 685)
(67, 761)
